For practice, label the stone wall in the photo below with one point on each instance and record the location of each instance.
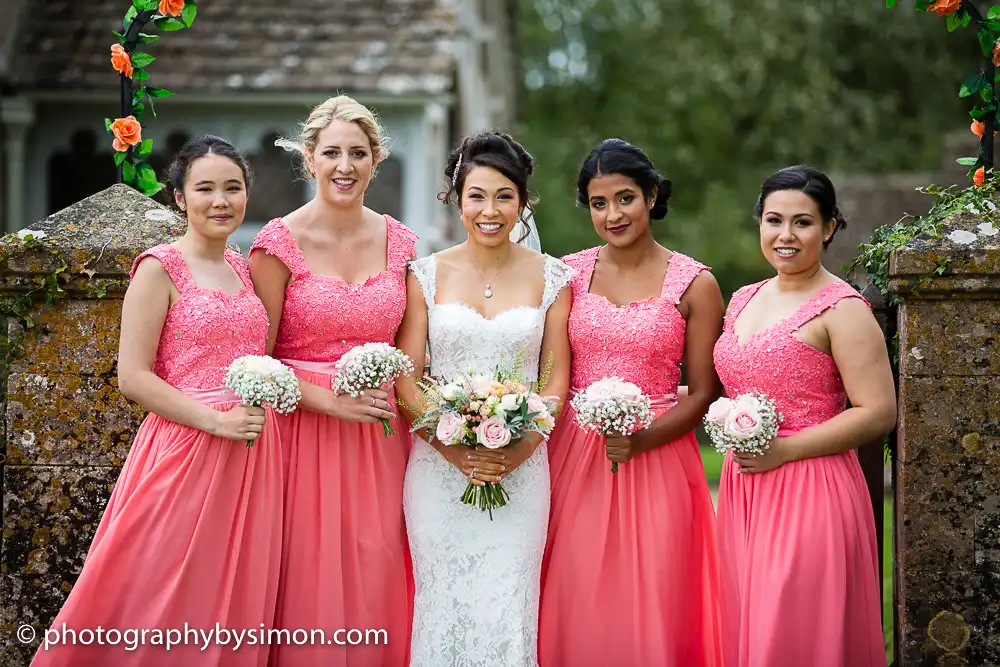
(947, 525)
(67, 429)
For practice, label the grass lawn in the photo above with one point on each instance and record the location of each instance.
(712, 461)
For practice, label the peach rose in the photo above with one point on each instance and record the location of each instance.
(493, 433)
(171, 7)
(996, 55)
(127, 133)
(979, 177)
(942, 7)
(121, 60)
(978, 128)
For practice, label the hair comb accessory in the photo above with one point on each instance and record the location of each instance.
(454, 176)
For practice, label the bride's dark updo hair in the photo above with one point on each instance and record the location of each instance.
(617, 156)
(496, 150)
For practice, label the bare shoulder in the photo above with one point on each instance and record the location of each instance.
(150, 270)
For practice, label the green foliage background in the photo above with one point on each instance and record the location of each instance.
(721, 93)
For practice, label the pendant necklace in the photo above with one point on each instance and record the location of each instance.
(488, 293)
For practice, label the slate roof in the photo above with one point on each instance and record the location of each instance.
(372, 46)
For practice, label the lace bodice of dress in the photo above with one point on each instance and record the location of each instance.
(803, 381)
(641, 342)
(325, 316)
(205, 329)
(462, 340)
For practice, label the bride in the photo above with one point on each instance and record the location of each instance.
(483, 305)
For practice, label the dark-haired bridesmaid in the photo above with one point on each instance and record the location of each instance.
(796, 529)
(630, 575)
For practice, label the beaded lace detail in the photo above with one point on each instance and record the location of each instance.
(205, 329)
(325, 316)
(803, 381)
(641, 342)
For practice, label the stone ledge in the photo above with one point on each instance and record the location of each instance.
(95, 239)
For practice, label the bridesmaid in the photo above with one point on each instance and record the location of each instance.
(190, 536)
(631, 575)
(796, 531)
(332, 275)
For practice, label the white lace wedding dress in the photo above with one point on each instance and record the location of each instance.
(477, 581)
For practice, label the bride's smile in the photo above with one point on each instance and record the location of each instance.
(490, 206)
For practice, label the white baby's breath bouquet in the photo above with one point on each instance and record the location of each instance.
(745, 424)
(612, 407)
(263, 380)
(370, 366)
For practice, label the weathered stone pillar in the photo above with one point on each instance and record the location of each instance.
(67, 428)
(948, 462)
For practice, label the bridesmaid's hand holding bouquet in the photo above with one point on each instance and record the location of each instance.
(746, 424)
(370, 366)
(612, 408)
(263, 380)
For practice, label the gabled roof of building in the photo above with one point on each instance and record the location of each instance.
(357, 46)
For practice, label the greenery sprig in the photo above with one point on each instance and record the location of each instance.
(131, 150)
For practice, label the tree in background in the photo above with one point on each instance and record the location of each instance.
(720, 93)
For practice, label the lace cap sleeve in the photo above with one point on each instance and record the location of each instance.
(172, 262)
(558, 274)
(276, 239)
(425, 270)
(402, 243)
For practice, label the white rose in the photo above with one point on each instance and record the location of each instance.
(509, 402)
(450, 391)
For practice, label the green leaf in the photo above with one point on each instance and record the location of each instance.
(140, 59)
(968, 161)
(146, 39)
(954, 22)
(138, 109)
(971, 85)
(890, 3)
(152, 5)
(966, 18)
(146, 173)
(158, 92)
(986, 91)
(129, 15)
(128, 173)
(986, 40)
(140, 75)
(150, 189)
(107, 125)
(189, 12)
(168, 24)
(994, 13)
(144, 148)
(922, 5)
(119, 158)
(138, 5)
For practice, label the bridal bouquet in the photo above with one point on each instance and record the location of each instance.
(260, 381)
(745, 424)
(612, 406)
(370, 366)
(473, 410)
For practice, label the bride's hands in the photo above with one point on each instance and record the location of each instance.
(514, 455)
(480, 466)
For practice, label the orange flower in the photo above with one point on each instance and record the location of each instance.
(171, 7)
(127, 133)
(978, 128)
(996, 54)
(979, 176)
(942, 7)
(121, 60)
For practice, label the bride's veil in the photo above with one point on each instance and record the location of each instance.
(531, 239)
